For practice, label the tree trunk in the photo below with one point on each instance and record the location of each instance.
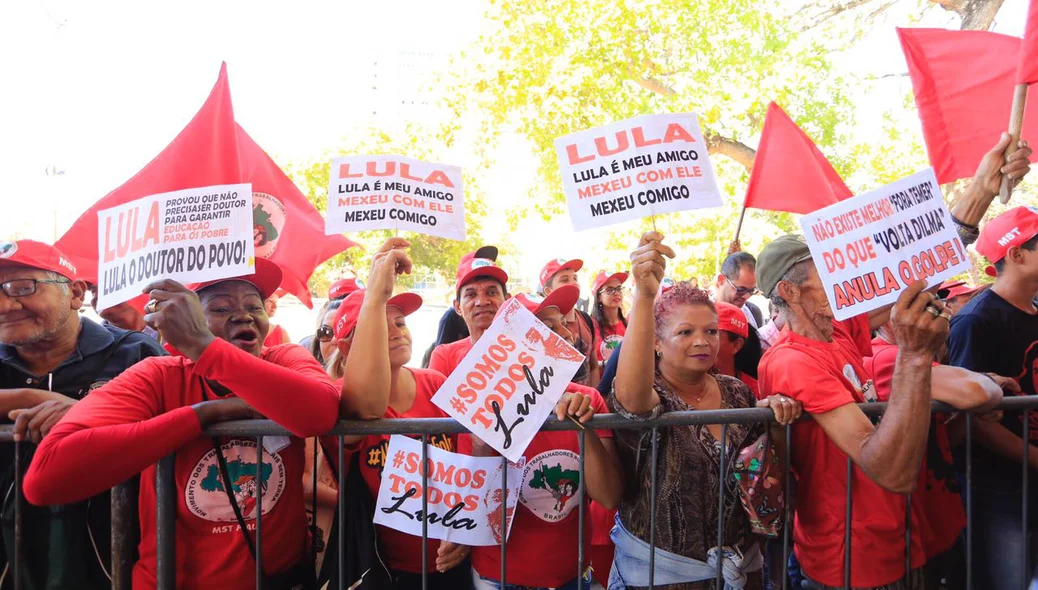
(976, 15)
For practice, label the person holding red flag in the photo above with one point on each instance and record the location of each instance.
(542, 544)
(161, 406)
(608, 312)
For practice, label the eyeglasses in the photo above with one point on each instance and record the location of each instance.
(26, 287)
(325, 334)
(743, 291)
(614, 291)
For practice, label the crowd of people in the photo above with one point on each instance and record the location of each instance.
(100, 404)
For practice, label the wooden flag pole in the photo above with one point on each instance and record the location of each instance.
(738, 228)
(1016, 123)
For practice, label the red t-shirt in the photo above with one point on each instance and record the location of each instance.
(143, 415)
(275, 336)
(401, 551)
(751, 383)
(937, 501)
(613, 336)
(446, 357)
(825, 376)
(542, 545)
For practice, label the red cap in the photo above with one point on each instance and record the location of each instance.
(343, 287)
(564, 298)
(731, 319)
(37, 255)
(266, 277)
(952, 288)
(559, 264)
(474, 268)
(349, 312)
(603, 278)
(1008, 230)
(488, 252)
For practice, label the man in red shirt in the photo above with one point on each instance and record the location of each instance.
(479, 292)
(558, 273)
(817, 362)
(161, 405)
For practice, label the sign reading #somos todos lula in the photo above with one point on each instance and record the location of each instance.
(463, 494)
(190, 236)
(635, 168)
(870, 247)
(398, 193)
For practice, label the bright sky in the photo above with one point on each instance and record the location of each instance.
(95, 90)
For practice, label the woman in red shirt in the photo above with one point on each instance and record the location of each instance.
(372, 334)
(608, 312)
(160, 406)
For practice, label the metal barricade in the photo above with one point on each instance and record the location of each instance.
(166, 496)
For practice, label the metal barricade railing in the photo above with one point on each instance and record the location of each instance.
(166, 496)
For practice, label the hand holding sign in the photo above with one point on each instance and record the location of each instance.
(649, 263)
(389, 261)
(920, 323)
(177, 314)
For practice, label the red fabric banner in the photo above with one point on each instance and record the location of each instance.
(1027, 59)
(789, 172)
(963, 83)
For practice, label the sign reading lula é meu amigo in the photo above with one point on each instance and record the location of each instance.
(870, 247)
(636, 168)
(398, 193)
(190, 236)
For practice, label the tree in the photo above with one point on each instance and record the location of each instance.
(430, 254)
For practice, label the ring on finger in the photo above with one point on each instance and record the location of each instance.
(152, 306)
(946, 315)
(933, 309)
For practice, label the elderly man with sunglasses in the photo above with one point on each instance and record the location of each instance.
(50, 358)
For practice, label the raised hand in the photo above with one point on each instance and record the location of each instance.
(649, 263)
(176, 313)
(389, 261)
(994, 164)
(920, 322)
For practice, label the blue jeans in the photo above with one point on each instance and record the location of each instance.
(998, 540)
(481, 583)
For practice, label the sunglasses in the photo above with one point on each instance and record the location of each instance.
(614, 291)
(325, 334)
(743, 291)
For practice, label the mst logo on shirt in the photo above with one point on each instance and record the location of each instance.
(205, 495)
(550, 485)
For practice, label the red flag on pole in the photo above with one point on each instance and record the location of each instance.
(789, 172)
(205, 153)
(963, 87)
(1027, 59)
(288, 230)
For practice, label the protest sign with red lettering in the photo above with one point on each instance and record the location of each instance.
(398, 193)
(635, 168)
(463, 494)
(868, 248)
(192, 235)
(505, 387)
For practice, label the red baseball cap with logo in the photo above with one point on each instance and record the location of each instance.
(266, 277)
(1008, 230)
(564, 298)
(488, 252)
(557, 265)
(349, 312)
(950, 289)
(37, 255)
(603, 278)
(731, 319)
(474, 268)
(343, 287)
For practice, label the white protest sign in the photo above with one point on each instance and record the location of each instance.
(190, 236)
(398, 193)
(635, 168)
(870, 247)
(505, 387)
(463, 494)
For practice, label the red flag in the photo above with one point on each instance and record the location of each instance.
(963, 87)
(205, 153)
(1027, 59)
(287, 228)
(789, 172)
